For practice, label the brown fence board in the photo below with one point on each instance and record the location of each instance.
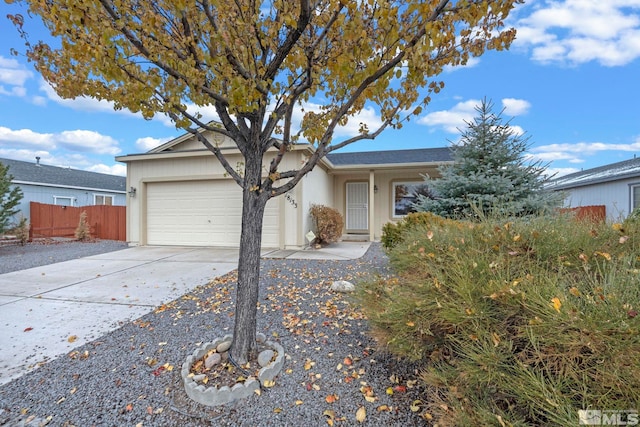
(106, 222)
(594, 213)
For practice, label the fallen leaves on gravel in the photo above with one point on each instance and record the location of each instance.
(331, 398)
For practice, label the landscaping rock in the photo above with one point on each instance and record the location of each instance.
(223, 346)
(212, 360)
(265, 357)
(342, 286)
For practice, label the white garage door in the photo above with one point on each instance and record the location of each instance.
(201, 213)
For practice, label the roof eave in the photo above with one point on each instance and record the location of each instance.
(595, 181)
(187, 153)
(389, 166)
(72, 187)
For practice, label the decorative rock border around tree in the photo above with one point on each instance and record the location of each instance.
(214, 396)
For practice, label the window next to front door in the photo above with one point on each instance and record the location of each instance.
(405, 194)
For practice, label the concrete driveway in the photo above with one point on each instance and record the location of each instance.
(48, 311)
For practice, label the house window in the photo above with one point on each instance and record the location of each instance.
(635, 197)
(405, 194)
(63, 201)
(102, 199)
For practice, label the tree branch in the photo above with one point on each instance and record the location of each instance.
(215, 150)
(292, 37)
(128, 34)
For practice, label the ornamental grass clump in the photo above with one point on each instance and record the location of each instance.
(520, 322)
(83, 230)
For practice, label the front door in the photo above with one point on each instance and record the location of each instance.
(357, 206)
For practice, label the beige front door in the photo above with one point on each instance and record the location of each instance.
(357, 206)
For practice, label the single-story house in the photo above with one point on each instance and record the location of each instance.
(182, 195)
(616, 186)
(64, 186)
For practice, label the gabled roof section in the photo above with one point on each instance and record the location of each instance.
(36, 173)
(185, 137)
(391, 157)
(168, 146)
(612, 172)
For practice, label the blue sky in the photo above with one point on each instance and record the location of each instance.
(571, 81)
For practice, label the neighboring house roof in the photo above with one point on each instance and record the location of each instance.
(419, 155)
(612, 172)
(54, 176)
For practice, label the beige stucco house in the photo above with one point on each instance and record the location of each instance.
(179, 194)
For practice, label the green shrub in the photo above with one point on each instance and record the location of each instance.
(516, 323)
(328, 223)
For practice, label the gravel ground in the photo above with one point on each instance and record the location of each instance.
(131, 376)
(49, 251)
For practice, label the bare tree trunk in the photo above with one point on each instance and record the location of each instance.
(243, 346)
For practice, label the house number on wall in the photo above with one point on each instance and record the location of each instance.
(291, 200)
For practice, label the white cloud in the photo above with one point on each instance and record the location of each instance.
(14, 75)
(39, 100)
(579, 31)
(458, 117)
(147, 143)
(454, 119)
(515, 107)
(27, 137)
(13, 91)
(575, 153)
(73, 140)
(88, 141)
(76, 161)
(517, 130)
(117, 169)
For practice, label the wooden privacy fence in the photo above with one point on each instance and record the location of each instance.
(106, 222)
(589, 213)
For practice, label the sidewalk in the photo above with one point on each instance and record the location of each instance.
(50, 310)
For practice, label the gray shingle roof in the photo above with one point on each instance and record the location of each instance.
(612, 172)
(419, 155)
(64, 177)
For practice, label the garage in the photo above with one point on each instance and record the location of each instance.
(201, 213)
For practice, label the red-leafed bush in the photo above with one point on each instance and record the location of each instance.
(328, 223)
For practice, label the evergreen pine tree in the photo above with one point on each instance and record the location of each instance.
(9, 198)
(490, 174)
